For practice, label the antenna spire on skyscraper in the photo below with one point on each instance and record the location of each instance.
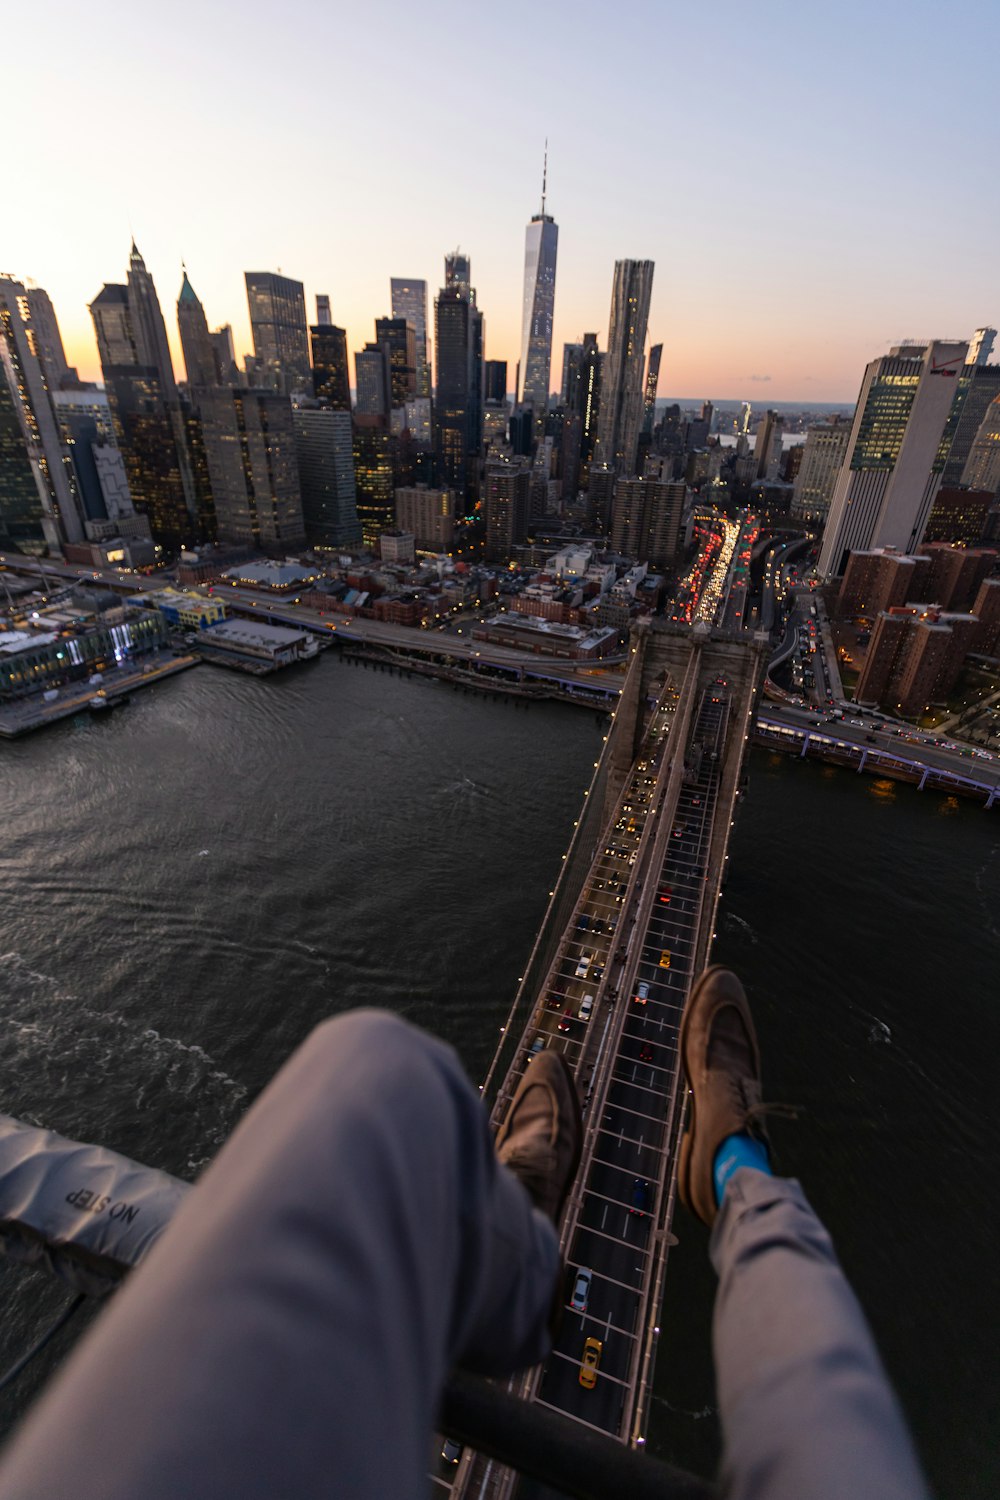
(545, 173)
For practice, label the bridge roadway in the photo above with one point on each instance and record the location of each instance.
(611, 1002)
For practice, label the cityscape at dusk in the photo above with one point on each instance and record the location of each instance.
(762, 162)
(499, 545)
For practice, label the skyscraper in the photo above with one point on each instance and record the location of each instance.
(981, 345)
(324, 317)
(252, 463)
(149, 422)
(278, 323)
(823, 455)
(409, 301)
(620, 420)
(48, 339)
(458, 339)
(541, 242)
(331, 374)
(646, 519)
(895, 454)
(652, 381)
(196, 341)
(39, 497)
(399, 337)
(373, 383)
(495, 381)
(324, 445)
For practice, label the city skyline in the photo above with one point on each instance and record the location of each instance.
(782, 294)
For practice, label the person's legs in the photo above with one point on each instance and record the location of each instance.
(807, 1412)
(806, 1407)
(291, 1332)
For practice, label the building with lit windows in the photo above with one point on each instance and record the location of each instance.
(252, 463)
(823, 455)
(409, 301)
(646, 519)
(374, 481)
(39, 496)
(895, 454)
(508, 506)
(429, 514)
(278, 324)
(622, 394)
(458, 340)
(399, 338)
(324, 443)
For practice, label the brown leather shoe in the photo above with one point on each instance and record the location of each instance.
(542, 1136)
(721, 1061)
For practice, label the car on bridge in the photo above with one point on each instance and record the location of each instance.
(665, 959)
(640, 1197)
(664, 895)
(565, 1021)
(646, 1053)
(583, 967)
(641, 995)
(586, 1008)
(581, 1290)
(590, 1363)
(538, 1045)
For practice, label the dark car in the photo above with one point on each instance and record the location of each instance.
(640, 1197)
(583, 922)
(645, 1053)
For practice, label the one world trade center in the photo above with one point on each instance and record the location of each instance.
(541, 240)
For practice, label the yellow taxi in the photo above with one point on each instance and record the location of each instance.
(665, 959)
(590, 1363)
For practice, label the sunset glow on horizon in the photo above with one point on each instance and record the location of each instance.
(796, 231)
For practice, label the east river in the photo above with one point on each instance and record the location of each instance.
(191, 883)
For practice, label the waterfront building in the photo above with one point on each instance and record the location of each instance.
(541, 243)
(267, 646)
(196, 341)
(399, 337)
(893, 466)
(429, 514)
(621, 410)
(324, 445)
(508, 506)
(914, 658)
(548, 637)
(250, 454)
(646, 519)
(39, 497)
(823, 456)
(33, 661)
(278, 324)
(409, 301)
(331, 373)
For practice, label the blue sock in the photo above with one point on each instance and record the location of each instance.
(738, 1151)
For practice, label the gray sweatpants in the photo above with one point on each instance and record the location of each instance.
(289, 1335)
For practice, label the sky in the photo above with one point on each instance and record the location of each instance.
(813, 183)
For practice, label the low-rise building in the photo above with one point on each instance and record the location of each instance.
(274, 577)
(182, 608)
(548, 638)
(271, 645)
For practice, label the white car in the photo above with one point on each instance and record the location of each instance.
(586, 1007)
(581, 1290)
(583, 967)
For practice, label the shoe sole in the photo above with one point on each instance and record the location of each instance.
(578, 1116)
(684, 1164)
